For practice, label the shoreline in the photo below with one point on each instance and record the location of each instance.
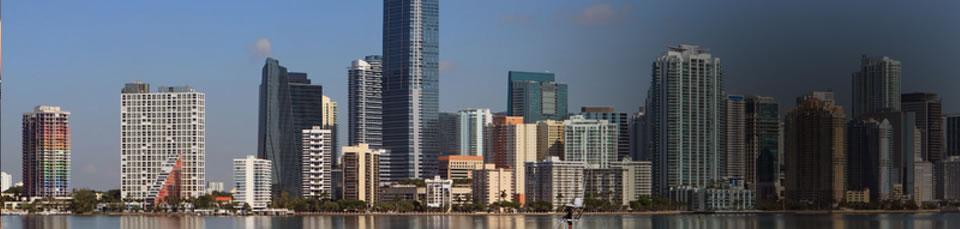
(651, 213)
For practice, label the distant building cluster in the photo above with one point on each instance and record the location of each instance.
(692, 142)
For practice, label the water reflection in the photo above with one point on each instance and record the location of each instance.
(695, 221)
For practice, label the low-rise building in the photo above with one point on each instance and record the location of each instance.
(492, 184)
(555, 181)
(638, 181)
(459, 167)
(439, 192)
(607, 184)
(857, 196)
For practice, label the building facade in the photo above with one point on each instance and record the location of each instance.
(762, 147)
(951, 173)
(590, 141)
(870, 157)
(513, 143)
(162, 142)
(638, 180)
(365, 98)
(621, 120)
(491, 184)
(610, 184)
(554, 181)
(450, 134)
(289, 103)
(536, 96)
(329, 121)
(638, 136)
(439, 192)
(953, 134)
(682, 76)
(6, 181)
(472, 123)
(411, 90)
(815, 157)
(46, 152)
(317, 163)
(876, 86)
(361, 173)
(251, 177)
(459, 167)
(549, 139)
(735, 130)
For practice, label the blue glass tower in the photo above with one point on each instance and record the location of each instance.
(411, 90)
(536, 96)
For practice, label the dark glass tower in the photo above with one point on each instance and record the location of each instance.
(536, 96)
(288, 104)
(411, 91)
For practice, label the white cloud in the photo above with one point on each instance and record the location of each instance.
(601, 14)
(262, 48)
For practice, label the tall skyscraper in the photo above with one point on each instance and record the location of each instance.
(905, 145)
(411, 91)
(685, 148)
(953, 134)
(329, 120)
(929, 111)
(162, 143)
(950, 167)
(638, 136)
(536, 96)
(289, 103)
(876, 87)
(815, 152)
(251, 177)
(365, 92)
(511, 144)
(762, 146)
(549, 139)
(46, 152)
(361, 173)
(317, 167)
(735, 160)
(621, 120)
(449, 133)
(870, 157)
(472, 124)
(591, 141)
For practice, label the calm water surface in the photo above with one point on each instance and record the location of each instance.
(885, 221)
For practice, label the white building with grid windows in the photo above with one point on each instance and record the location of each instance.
(317, 163)
(158, 128)
(251, 177)
(591, 141)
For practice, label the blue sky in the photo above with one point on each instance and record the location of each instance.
(78, 54)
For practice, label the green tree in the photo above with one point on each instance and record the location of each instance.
(84, 201)
(203, 202)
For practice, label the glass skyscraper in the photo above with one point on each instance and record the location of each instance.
(536, 96)
(365, 79)
(289, 103)
(411, 90)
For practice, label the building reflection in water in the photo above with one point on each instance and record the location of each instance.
(46, 222)
(162, 222)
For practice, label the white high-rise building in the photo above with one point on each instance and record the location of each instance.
(162, 133)
(472, 124)
(5, 181)
(684, 117)
(317, 163)
(365, 92)
(252, 181)
(214, 187)
(591, 141)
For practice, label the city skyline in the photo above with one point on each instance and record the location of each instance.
(96, 149)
